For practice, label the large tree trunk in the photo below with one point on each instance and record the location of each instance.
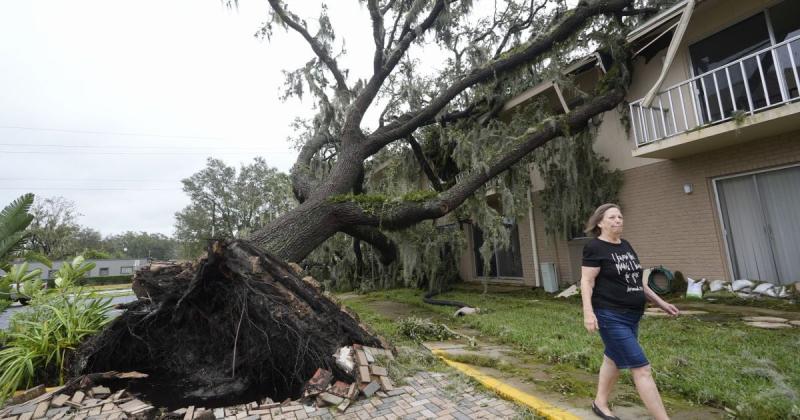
(236, 326)
(295, 234)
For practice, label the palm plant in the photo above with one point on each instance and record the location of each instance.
(14, 219)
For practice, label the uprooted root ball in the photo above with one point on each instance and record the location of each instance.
(236, 326)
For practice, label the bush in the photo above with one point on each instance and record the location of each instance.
(40, 340)
(97, 281)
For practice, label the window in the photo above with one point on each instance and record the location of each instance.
(104, 271)
(126, 270)
(725, 47)
(505, 262)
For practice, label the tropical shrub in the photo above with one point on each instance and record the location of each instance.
(19, 284)
(40, 340)
(71, 271)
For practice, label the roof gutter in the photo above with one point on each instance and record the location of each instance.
(673, 49)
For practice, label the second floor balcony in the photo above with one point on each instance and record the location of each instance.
(754, 96)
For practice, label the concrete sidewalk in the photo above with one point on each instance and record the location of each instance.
(540, 400)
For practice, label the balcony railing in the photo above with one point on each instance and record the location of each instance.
(756, 82)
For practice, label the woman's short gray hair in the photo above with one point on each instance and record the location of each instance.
(591, 224)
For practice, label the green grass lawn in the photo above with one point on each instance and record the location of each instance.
(724, 364)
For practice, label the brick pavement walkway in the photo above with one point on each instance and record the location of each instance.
(425, 395)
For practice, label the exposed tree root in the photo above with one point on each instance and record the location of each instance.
(233, 327)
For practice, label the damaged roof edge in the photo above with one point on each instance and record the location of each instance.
(596, 58)
(656, 21)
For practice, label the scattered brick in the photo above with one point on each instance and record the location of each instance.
(363, 373)
(319, 382)
(386, 383)
(378, 370)
(370, 389)
(329, 399)
(77, 397)
(100, 392)
(361, 357)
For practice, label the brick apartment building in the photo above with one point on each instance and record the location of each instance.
(711, 166)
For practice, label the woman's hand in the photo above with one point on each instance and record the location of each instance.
(670, 309)
(590, 322)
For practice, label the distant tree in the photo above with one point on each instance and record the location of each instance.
(230, 203)
(95, 254)
(87, 239)
(141, 245)
(54, 227)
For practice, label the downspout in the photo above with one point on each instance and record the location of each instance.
(673, 49)
(537, 281)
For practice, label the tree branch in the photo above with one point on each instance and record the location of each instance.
(394, 27)
(426, 167)
(407, 213)
(495, 23)
(380, 242)
(387, 7)
(516, 28)
(642, 11)
(562, 31)
(319, 50)
(378, 34)
(302, 180)
(366, 97)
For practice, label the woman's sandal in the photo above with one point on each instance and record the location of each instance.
(602, 415)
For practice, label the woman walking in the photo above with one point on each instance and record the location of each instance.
(614, 294)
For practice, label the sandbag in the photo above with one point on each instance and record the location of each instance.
(717, 285)
(694, 288)
(765, 289)
(738, 285)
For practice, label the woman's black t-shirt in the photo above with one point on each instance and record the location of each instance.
(619, 283)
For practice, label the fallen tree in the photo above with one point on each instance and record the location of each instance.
(239, 322)
(235, 326)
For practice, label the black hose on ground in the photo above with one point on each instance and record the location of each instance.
(428, 298)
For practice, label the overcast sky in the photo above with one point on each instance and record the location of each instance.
(111, 103)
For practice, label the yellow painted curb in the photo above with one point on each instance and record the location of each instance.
(542, 408)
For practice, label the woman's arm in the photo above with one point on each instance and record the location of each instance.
(588, 276)
(661, 303)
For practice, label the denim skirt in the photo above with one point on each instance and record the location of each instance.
(620, 331)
